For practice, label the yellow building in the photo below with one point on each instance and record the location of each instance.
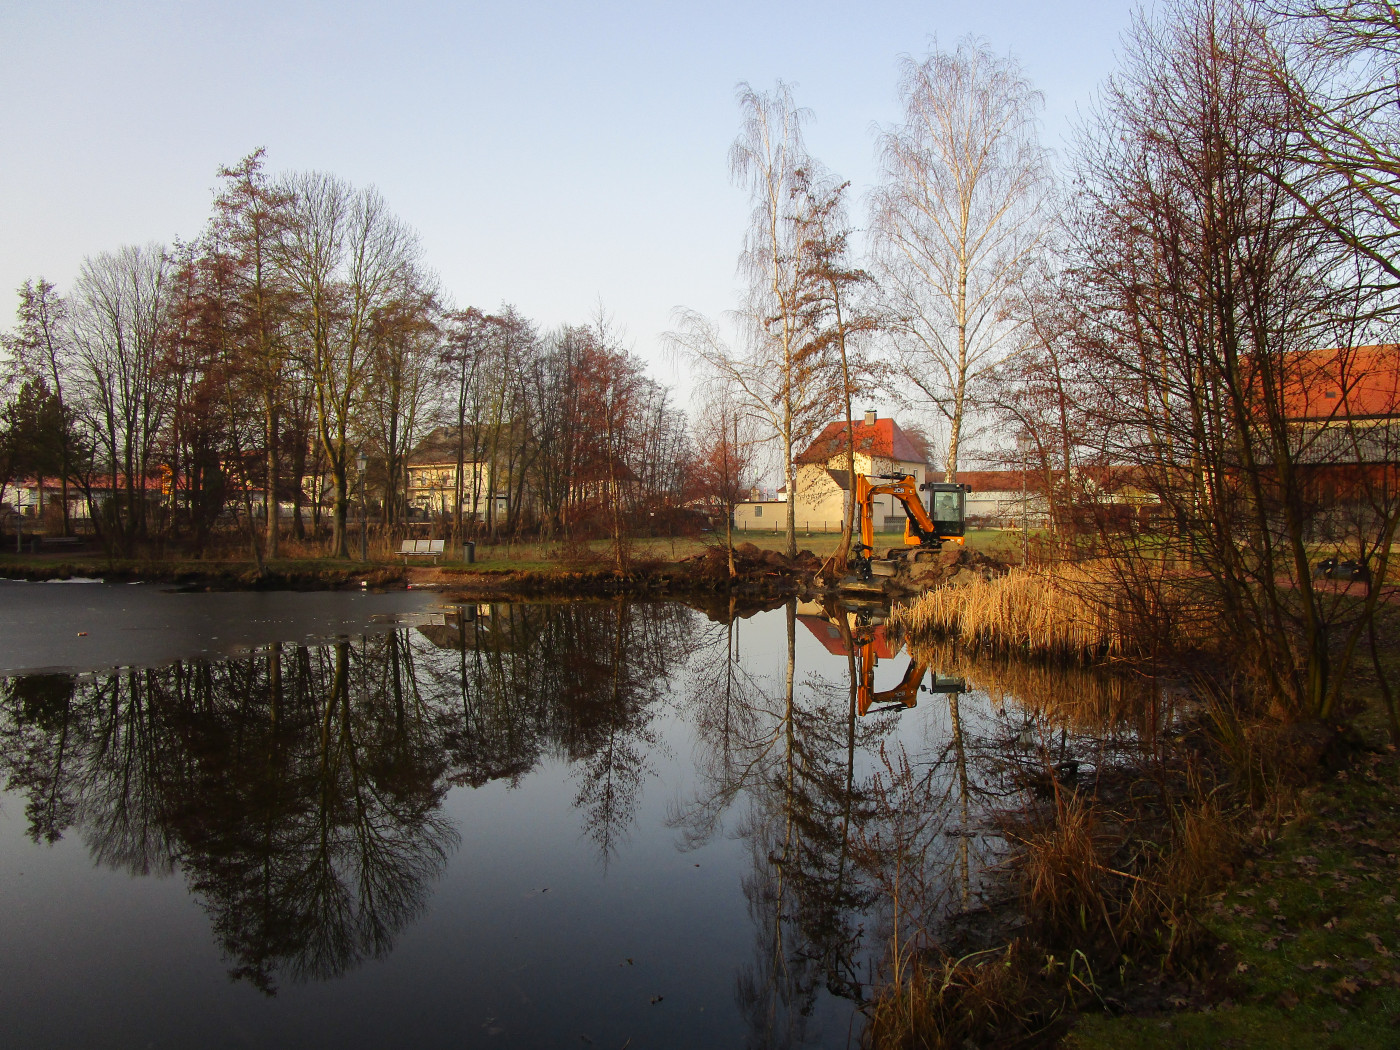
(822, 479)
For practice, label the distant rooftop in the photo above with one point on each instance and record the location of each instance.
(881, 438)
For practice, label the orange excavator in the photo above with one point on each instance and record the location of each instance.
(926, 529)
(904, 695)
(863, 636)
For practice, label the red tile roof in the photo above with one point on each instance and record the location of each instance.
(999, 480)
(1344, 383)
(1105, 477)
(881, 439)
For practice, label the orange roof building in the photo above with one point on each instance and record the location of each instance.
(1347, 383)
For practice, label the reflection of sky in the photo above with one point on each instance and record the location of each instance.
(527, 935)
(81, 627)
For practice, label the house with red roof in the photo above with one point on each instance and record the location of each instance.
(823, 478)
(1358, 383)
(1343, 411)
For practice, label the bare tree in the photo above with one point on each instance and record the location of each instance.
(724, 469)
(119, 340)
(348, 257)
(249, 218)
(1335, 66)
(462, 348)
(1040, 393)
(957, 221)
(767, 158)
(781, 378)
(1212, 289)
(405, 352)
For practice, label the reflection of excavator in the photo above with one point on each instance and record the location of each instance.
(905, 694)
(861, 629)
(924, 531)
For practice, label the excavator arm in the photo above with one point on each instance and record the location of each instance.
(906, 693)
(918, 526)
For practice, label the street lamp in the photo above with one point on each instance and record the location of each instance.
(362, 462)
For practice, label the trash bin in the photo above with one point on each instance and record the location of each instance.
(469, 551)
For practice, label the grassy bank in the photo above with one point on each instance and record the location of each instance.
(307, 566)
(1237, 887)
(1306, 936)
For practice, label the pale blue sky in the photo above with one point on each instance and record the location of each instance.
(553, 155)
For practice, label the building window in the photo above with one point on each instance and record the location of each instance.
(758, 512)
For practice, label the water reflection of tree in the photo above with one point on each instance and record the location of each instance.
(790, 754)
(836, 813)
(38, 746)
(300, 789)
(580, 681)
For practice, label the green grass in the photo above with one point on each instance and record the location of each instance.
(1309, 931)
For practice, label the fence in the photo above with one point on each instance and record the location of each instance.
(807, 528)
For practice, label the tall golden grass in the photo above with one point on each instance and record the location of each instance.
(1082, 610)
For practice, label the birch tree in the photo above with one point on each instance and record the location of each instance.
(780, 377)
(956, 221)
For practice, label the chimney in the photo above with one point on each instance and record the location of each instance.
(870, 417)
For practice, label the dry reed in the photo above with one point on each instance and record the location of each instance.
(984, 999)
(1080, 610)
(1093, 890)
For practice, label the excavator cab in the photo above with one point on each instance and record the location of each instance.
(947, 506)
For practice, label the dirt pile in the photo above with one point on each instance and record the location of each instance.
(751, 562)
(956, 567)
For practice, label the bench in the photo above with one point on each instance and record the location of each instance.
(62, 541)
(421, 549)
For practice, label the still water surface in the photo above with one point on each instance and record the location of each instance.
(366, 821)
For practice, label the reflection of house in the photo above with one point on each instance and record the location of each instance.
(823, 480)
(432, 477)
(488, 626)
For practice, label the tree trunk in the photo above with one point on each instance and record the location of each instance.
(270, 478)
(339, 546)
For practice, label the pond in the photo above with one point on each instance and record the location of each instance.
(363, 820)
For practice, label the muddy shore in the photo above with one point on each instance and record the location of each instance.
(758, 574)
